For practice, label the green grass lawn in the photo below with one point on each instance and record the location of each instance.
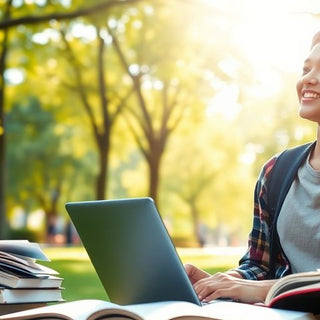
(81, 282)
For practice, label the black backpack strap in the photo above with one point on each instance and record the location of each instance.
(281, 176)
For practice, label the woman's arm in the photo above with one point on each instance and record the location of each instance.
(254, 265)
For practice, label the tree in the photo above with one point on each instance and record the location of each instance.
(39, 165)
(3, 57)
(60, 14)
(7, 22)
(204, 182)
(167, 71)
(101, 106)
(161, 86)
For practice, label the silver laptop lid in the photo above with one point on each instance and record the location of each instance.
(131, 250)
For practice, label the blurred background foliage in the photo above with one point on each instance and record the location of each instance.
(111, 99)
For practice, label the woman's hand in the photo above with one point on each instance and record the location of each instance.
(227, 285)
(195, 274)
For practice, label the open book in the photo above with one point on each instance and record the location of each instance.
(166, 310)
(298, 291)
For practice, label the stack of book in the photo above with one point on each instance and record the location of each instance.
(24, 283)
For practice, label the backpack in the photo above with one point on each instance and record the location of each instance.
(279, 182)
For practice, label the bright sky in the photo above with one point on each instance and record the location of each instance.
(275, 35)
(275, 32)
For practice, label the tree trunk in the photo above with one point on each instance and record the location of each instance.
(102, 178)
(3, 54)
(196, 223)
(154, 167)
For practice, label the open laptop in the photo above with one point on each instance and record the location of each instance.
(131, 251)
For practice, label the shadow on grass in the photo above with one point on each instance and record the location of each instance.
(80, 280)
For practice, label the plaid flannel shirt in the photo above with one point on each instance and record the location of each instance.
(254, 265)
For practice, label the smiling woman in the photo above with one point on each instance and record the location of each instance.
(308, 84)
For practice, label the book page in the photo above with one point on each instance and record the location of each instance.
(292, 281)
(217, 309)
(23, 248)
(167, 310)
(79, 310)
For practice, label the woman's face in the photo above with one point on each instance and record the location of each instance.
(308, 86)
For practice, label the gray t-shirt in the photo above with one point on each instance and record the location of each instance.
(299, 221)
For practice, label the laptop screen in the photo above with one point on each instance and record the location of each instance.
(131, 250)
